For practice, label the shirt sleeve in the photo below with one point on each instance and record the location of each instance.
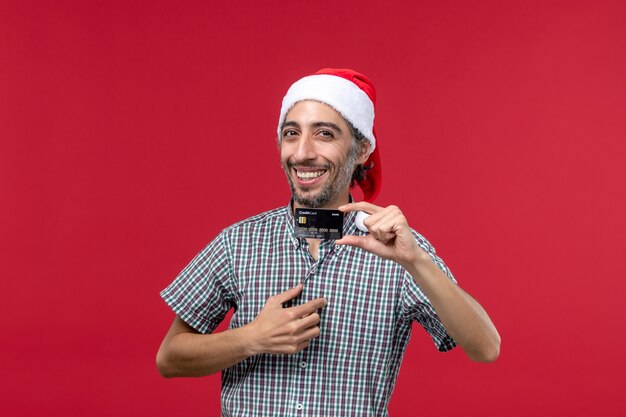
(202, 294)
(416, 306)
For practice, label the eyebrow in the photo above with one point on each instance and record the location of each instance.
(314, 125)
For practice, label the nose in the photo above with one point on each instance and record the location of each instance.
(305, 149)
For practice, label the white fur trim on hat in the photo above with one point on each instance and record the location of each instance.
(341, 94)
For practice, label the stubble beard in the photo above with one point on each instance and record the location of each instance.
(331, 189)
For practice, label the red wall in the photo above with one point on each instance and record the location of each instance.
(133, 132)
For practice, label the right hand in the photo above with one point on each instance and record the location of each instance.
(279, 330)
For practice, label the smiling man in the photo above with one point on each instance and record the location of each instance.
(318, 154)
(320, 326)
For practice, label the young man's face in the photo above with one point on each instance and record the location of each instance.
(317, 154)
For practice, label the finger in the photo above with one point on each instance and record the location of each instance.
(361, 205)
(385, 229)
(307, 336)
(363, 242)
(371, 221)
(311, 333)
(308, 308)
(309, 321)
(386, 223)
(290, 294)
(293, 347)
(290, 348)
(383, 236)
(389, 212)
(302, 346)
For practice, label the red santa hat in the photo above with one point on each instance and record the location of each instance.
(353, 96)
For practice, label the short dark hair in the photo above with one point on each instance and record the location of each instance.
(358, 141)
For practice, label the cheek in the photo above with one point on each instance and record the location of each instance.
(333, 151)
(284, 153)
(336, 155)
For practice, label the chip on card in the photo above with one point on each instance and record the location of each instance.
(319, 223)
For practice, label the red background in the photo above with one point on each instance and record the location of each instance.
(133, 132)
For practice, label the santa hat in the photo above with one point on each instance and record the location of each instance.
(353, 96)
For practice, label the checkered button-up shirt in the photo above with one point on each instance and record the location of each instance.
(351, 368)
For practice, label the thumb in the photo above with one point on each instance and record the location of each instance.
(357, 241)
(290, 294)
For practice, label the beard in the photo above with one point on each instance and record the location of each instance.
(333, 186)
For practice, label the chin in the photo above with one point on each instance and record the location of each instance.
(312, 201)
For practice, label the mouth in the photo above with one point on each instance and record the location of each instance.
(308, 176)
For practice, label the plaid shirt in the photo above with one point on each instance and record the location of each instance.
(351, 368)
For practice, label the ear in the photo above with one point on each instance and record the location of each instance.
(365, 152)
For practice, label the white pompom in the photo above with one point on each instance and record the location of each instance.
(360, 216)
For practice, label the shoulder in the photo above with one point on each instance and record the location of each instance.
(267, 222)
(268, 217)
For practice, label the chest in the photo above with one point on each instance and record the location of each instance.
(362, 290)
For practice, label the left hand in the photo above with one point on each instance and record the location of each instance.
(389, 234)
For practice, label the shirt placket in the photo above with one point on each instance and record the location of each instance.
(302, 393)
(303, 362)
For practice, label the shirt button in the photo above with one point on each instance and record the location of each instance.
(303, 364)
(299, 407)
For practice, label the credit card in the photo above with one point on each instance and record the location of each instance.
(319, 223)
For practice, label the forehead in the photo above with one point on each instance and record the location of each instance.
(311, 111)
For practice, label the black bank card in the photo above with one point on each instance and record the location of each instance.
(319, 223)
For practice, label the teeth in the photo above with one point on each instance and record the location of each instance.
(309, 175)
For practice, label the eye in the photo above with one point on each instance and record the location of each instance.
(326, 134)
(289, 133)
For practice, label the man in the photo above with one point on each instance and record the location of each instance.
(320, 326)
